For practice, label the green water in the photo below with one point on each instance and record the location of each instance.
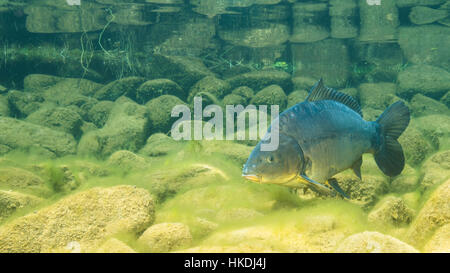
(86, 92)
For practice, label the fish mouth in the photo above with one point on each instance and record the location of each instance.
(252, 177)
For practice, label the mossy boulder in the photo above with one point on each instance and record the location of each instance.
(165, 237)
(126, 160)
(391, 211)
(22, 104)
(425, 15)
(59, 118)
(211, 85)
(440, 241)
(371, 114)
(258, 80)
(434, 214)
(154, 88)
(376, 95)
(415, 146)
(446, 99)
(86, 218)
(159, 144)
(99, 113)
(160, 109)
(422, 105)
(233, 99)
(435, 170)
(295, 97)
(243, 91)
(11, 202)
(122, 87)
(303, 83)
(26, 136)
(71, 91)
(23, 181)
(114, 245)
(127, 128)
(4, 107)
(407, 181)
(428, 80)
(435, 128)
(39, 82)
(373, 242)
(271, 95)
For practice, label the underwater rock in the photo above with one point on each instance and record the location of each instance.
(328, 59)
(426, 45)
(415, 146)
(439, 242)
(391, 211)
(26, 136)
(421, 105)
(114, 245)
(376, 95)
(344, 15)
(295, 97)
(371, 114)
(257, 80)
(160, 109)
(185, 71)
(21, 104)
(378, 22)
(58, 118)
(211, 85)
(23, 181)
(99, 113)
(436, 128)
(4, 107)
(271, 95)
(446, 99)
(155, 88)
(407, 181)
(159, 144)
(435, 170)
(86, 218)
(428, 80)
(127, 128)
(11, 202)
(303, 83)
(434, 214)
(165, 237)
(236, 152)
(410, 3)
(39, 82)
(373, 242)
(233, 99)
(125, 86)
(308, 24)
(237, 214)
(126, 161)
(243, 91)
(424, 15)
(364, 193)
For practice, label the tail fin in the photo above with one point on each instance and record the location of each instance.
(393, 122)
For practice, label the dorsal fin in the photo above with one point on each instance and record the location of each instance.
(320, 92)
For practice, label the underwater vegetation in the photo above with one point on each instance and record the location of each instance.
(87, 162)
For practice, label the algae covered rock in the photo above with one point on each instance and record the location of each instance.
(211, 85)
(440, 241)
(22, 104)
(243, 91)
(258, 80)
(4, 107)
(127, 128)
(160, 109)
(391, 211)
(26, 136)
(407, 181)
(295, 97)
(39, 82)
(373, 242)
(233, 99)
(122, 87)
(114, 245)
(424, 15)
(424, 79)
(271, 95)
(159, 144)
(435, 170)
(60, 118)
(86, 218)
(422, 105)
(99, 113)
(415, 146)
(435, 128)
(165, 237)
(155, 88)
(126, 160)
(434, 214)
(376, 95)
(11, 202)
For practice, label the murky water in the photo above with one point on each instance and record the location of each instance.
(87, 162)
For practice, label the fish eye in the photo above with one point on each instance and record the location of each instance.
(270, 158)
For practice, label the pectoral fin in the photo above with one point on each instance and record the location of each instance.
(333, 183)
(315, 186)
(356, 167)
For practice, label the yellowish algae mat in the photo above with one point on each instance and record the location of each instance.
(195, 200)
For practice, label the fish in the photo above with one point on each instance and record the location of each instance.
(325, 135)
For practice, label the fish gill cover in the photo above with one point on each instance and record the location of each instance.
(87, 91)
